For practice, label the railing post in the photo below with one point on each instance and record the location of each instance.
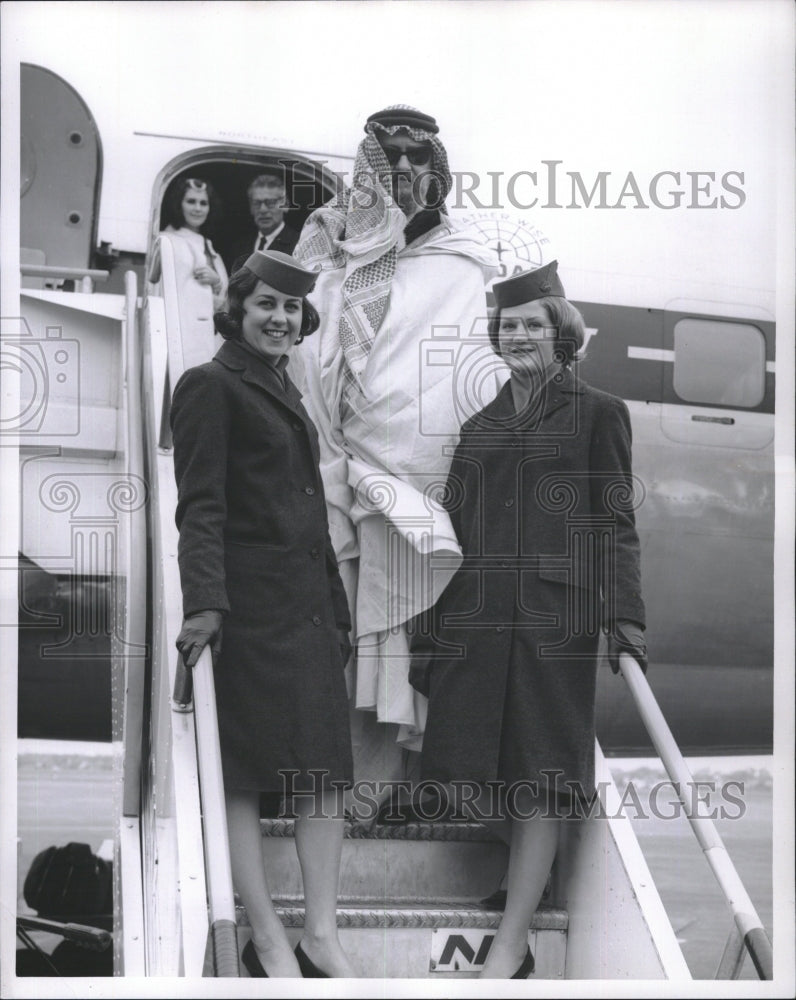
(749, 925)
(218, 870)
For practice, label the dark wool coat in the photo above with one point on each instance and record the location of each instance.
(542, 504)
(254, 543)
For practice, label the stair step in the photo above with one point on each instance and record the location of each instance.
(447, 830)
(404, 862)
(428, 938)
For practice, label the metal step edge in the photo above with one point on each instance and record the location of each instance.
(413, 831)
(366, 913)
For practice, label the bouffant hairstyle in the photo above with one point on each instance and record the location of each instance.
(571, 328)
(171, 213)
(229, 322)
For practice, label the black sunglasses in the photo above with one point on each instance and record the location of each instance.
(417, 155)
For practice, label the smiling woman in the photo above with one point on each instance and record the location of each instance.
(256, 561)
(271, 321)
(190, 211)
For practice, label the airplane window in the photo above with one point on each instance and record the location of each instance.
(719, 363)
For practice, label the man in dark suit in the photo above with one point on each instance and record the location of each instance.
(267, 204)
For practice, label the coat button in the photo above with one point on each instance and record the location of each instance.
(316, 620)
(314, 553)
(509, 502)
(310, 491)
(500, 629)
(504, 564)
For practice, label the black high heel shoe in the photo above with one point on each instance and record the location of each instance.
(252, 962)
(309, 970)
(527, 966)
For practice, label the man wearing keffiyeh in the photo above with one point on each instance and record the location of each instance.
(403, 312)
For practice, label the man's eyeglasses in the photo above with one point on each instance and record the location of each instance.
(192, 182)
(267, 202)
(418, 156)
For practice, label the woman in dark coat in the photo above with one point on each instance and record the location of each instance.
(256, 561)
(541, 494)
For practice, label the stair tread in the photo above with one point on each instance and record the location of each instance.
(444, 830)
(421, 913)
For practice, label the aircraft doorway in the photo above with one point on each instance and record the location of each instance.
(230, 171)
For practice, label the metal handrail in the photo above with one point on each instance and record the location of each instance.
(95, 938)
(134, 650)
(218, 869)
(198, 684)
(56, 271)
(748, 923)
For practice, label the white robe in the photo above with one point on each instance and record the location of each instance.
(196, 301)
(385, 456)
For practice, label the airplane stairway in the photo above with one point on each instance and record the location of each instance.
(409, 893)
(410, 898)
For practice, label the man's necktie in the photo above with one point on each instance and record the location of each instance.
(261, 244)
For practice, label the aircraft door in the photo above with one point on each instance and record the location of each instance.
(61, 173)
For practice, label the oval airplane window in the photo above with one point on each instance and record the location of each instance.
(718, 363)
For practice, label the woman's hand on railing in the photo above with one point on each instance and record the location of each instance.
(627, 637)
(197, 631)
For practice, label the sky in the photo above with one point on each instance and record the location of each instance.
(623, 88)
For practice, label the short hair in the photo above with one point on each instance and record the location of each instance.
(571, 328)
(172, 214)
(266, 180)
(229, 321)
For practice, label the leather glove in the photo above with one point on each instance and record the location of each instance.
(627, 637)
(422, 648)
(420, 674)
(197, 631)
(345, 645)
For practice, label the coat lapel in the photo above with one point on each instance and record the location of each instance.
(559, 393)
(500, 413)
(255, 372)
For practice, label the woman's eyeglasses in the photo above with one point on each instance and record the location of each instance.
(533, 331)
(192, 182)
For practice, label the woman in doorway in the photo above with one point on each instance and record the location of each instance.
(256, 561)
(190, 210)
(541, 496)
